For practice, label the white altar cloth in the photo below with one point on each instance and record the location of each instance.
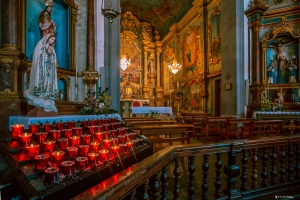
(146, 110)
(256, 113)
(64, 118)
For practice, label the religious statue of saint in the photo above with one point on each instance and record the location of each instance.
(43, 87)
(270, 71)
(45, 22)
(280, 95)
(292, 68)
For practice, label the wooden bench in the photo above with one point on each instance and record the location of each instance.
(212, 126)
(127, 121)
(199, 123)
(157, 133)
(135, 125)
(236, 128)
(188, 117)
(265, 127)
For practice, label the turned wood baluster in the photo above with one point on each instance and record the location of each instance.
(155, 186)
(282, 168)
(164, 183)
(176, 173)
(297, 166)
(192, 169)
(132, 195)
(264, 169)
(244, 174)
(146, 187)
(254, 170)
(290, 168)
(205, 168)
(218, 183)
(273, 171)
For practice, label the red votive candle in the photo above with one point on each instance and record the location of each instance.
(113, 133)
(92, 122)
(16, 130)
(106, 127)
(118, 124)
(81, 163)
(54, 134)
(83, 150)
(121, 139)
(115, 149)
(71, 152)
(25, 138)
(106, 134)
(129, 145)
(112, 120)
(75, 141)
(57, 157)
(98, 136)
(127, 138)
(103, 155)
(114, 141)
(41, 161)
(68, 167)
(94, 147)
(51, 174)
(84, 123)
(93, 158)
(32, 150)
(132, 136)
(77, 131)
(106, 121)
(125, 130)
(60, 125)
(33, 128)
(91, 129)
(106, 143)
(135, 143)
(99, 128)
(120, 131)
(70, 125)
(85, 139)
(48, 127)
(99, 122)
(123, 148)
(113, 126)
(41, 137)
(66, 133)
(48, 146)
(63, 143)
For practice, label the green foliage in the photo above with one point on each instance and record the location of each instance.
(266, 103)
(94, 106)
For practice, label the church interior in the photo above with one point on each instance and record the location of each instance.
(213, 79)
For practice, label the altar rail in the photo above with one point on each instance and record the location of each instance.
(149, 178)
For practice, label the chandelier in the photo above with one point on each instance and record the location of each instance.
(124, 62)
(174, 67)
(109, 13)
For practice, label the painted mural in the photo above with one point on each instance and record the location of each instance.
(190, 46)
(214, 36)
(191, 98)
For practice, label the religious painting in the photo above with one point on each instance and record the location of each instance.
(282, 64)
(191, 98)
(214, 35)
(168, 54)
(190, 45)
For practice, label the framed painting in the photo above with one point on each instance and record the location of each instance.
(214, 36)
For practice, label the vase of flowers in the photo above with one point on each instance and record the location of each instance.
(97, 106)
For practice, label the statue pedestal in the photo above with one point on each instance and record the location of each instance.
(40, 112)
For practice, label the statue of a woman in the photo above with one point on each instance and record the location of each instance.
(292, 68)
(43, 77)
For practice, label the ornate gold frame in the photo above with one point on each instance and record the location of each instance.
(216, 11)
(284, 27)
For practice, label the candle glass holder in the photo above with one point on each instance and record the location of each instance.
(113, 133)
(132, 136)
(106, 127)
(48, 127)
(113, 126)
(85, 139)
(81, 163)
(106, 135)
(112, 120)
(93, 159)
(71, 152)
(121, 139)
(91, 130)
(99, 122)
(48, 147)
(66, 133)
(16, 130)
(32, 150)
(33, 128)
(126, 130)
(63, 143)
(24, 139)
(68, 168)
(41, 161)
(92, 122)
(106, 121)
(98, 136)
(54, 134)
(75, 141)
(106, 144)
(60, 125)
(70, 125)
(119, 124)
(77, 131)
(84, 150)
(99, 128)
(57, 158)
(41, 137)
(84, 123)
(115, 150)
(120, 131)
(123, 148)
(51, 174)
(103, 155)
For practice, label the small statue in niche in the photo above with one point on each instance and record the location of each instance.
(270, 70)
(280, 95)
(292, 68)
(61, 94)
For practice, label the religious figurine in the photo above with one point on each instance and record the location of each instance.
(45, 22)
(43, 87)
(61, 95)
(270, 71)
(280, 95)
(292, 68)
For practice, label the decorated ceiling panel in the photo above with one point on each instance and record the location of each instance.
(161, 14)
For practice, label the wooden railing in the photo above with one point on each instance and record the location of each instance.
(150, 178)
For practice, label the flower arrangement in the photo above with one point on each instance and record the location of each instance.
(94, 106)
(266, 103)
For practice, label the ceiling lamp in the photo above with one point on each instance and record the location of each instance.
(174, 67)
(110, 13)
(124, 62)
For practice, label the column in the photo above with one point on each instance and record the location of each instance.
(145, 69)
(90, 38)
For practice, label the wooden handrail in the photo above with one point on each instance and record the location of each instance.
(122, 183)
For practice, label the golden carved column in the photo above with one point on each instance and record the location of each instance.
(90, 76)
(146, 89)
(158, 88)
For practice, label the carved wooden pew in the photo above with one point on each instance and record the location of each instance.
(157, 133)
(199, 123)
(212, 126)
(265, 127)
(135, 125)
(236, 128)
(188, 117)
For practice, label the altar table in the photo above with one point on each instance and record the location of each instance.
(149, 110)
(62, 118)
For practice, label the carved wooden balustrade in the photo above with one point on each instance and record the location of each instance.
(254, 168)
